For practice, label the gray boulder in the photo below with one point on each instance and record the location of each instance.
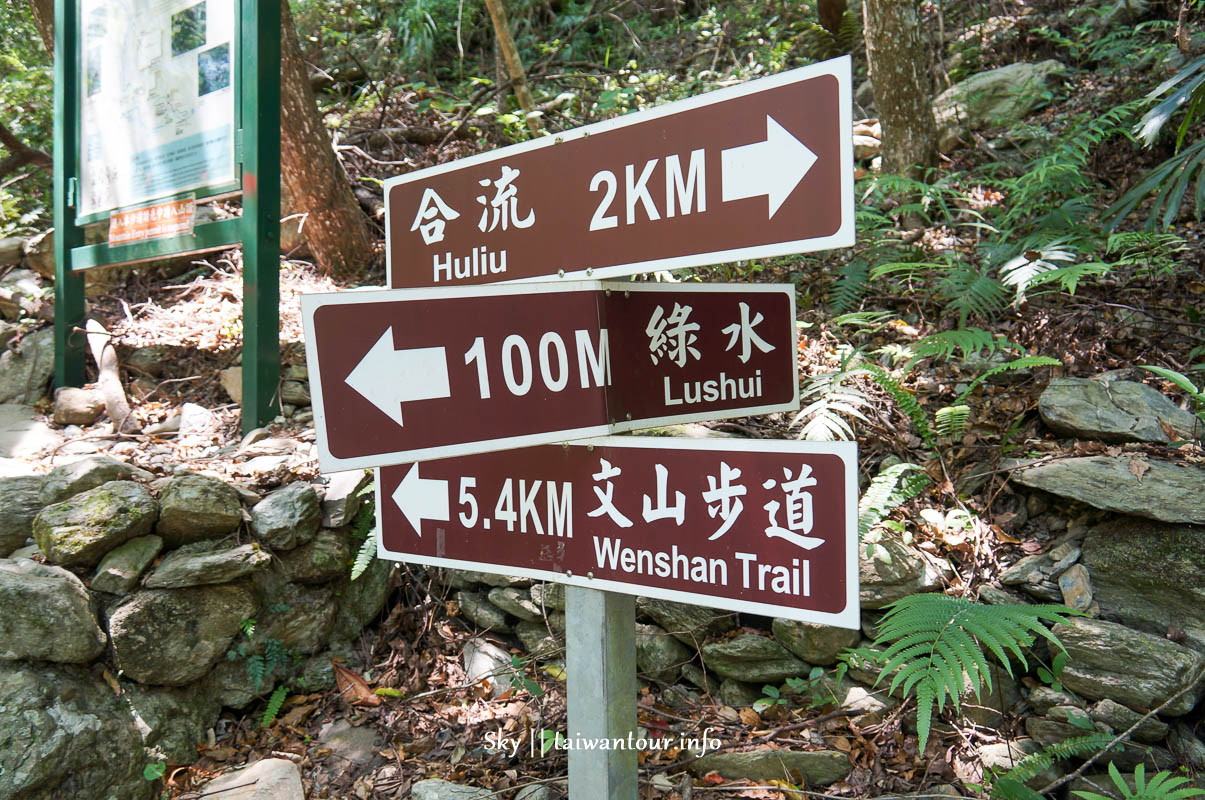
(122, 566)
(659, 656)
(197, 507)
(1120, 718)
(361, 600)
(76, 406)
(288, 517)
(884, 581)
(549, 596)
(482, 613)
(1132, 668)
(691, 625)
(1147, 575)
(87, 473)
(25, 370)
(436, 789)
(1120, 411)
(22, 434)
(170, 637)
(64, 734)
(537, 640)
(1166, 492)
(300, 617)
(341, 497)
(266, 779)
(80, 530)
(231, 684)
(515, 601)
(998, 98)
(46, 615)
(815, 767)
(737, 694)
(204, 563)
(324, 559)
(813, 642)
(751, 658)
(19, 504)
(172, 721)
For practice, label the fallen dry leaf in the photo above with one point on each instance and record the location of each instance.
(1138, 468)
(353, 688)
(749, 717)
(113, 684)
(1002, 536)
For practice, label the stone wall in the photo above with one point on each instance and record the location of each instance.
(143, 607)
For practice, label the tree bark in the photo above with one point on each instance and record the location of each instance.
(313, 177)
(514, 65)
(334, 224)
(898, 71)
(43, 17)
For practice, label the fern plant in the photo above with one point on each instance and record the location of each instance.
(274, 704)
(1162, 786)
(935, 645)
(363, 526)
(1012, 784)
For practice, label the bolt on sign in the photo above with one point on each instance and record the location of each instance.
(761, 526)
(756, 170)
(428, 373)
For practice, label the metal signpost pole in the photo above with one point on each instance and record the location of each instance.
(600, 661)
(261, 211)
(68, 285)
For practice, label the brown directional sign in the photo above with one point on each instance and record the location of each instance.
(760, 169)
(428, 373)
(767, 527)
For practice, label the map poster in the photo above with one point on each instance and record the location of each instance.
(157, 100)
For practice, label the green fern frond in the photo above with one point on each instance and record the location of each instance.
(1034, 765)
(257, 669)
(967, 340)
(934, 646)
(891, 488)
(1026, 362)
(274, 703)
(1162, 786)
(850, 287)
(951, 420)
(904, 399)
(367, 552)
(971, 293)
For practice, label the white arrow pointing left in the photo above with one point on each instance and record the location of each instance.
(387, 378)
(773, 167)
(421, 498)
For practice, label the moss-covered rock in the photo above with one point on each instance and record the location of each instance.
(80, 530)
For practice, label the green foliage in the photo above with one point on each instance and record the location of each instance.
(772, 698)
(968, 341)
(1051, 676)
(951, 420)
(1162, 786)
(830, 400)
(891, 488)
(364, 526)
(904, 401)
(850, 287)
(935, 646)
(26, 109)
(1011, 785)
(1025, 362)
(274, 703)
(1196, 396)
(519, 679)
(154, 771)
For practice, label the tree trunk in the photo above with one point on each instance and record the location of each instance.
(514, 65)
(899, 74)
(334, 223)
(313, 177)
(43, 17)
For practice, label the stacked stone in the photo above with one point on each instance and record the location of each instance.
(170, 585)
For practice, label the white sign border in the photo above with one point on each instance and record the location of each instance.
(840, 68)
(849, 617)
(327, 462)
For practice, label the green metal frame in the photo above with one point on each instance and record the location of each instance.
(257, 85)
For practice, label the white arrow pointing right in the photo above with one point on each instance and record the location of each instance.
(387, 378)
(773, 167)
(421, 498)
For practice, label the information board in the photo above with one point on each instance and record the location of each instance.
(156, 101)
